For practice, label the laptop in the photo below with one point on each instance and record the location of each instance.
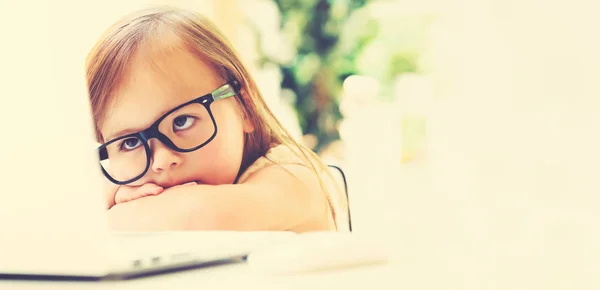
(53, 220)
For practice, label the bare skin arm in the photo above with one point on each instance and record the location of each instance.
(271, 199)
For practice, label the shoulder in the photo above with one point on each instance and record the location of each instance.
(292, 183)
(297, 173)
(281, 155)
(285, 166)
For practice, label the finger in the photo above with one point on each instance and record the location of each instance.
(110, 190)
(110, 196)
(126, 193)
(129, 193)
(150, 189)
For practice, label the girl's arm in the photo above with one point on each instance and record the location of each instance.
(273, 198)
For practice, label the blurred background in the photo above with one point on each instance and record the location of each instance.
(351, 79)
(419, 96)
(469, 129)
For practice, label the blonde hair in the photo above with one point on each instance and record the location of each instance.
(110, 58)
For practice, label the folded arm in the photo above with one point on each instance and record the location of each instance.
(274, 198)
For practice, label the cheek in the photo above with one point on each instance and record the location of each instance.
(219, 161)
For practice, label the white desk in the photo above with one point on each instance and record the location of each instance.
(237, 276)
(234, 276)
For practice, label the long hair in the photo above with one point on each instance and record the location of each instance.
(110, 58)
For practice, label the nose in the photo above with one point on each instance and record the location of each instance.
(163, 158)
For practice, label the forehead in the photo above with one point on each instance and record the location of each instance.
(157, 80)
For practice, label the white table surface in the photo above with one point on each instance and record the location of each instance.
(239, 276)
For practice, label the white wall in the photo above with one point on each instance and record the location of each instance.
(510, 198)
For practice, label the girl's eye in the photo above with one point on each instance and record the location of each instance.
(131, 143)
(183, 122)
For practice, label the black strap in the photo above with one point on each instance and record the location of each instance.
(346, 191)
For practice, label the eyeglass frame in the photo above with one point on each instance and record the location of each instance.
(227, 90)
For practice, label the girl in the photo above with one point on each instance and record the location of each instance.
(188, 142)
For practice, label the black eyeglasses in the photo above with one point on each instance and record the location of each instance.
(186, 128)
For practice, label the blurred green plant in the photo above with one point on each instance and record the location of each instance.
(333, 39)
(319, 66)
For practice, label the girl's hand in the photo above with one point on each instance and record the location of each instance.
(110, 190)
(128, 193)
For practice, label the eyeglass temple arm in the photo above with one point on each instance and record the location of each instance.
(225, 91)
